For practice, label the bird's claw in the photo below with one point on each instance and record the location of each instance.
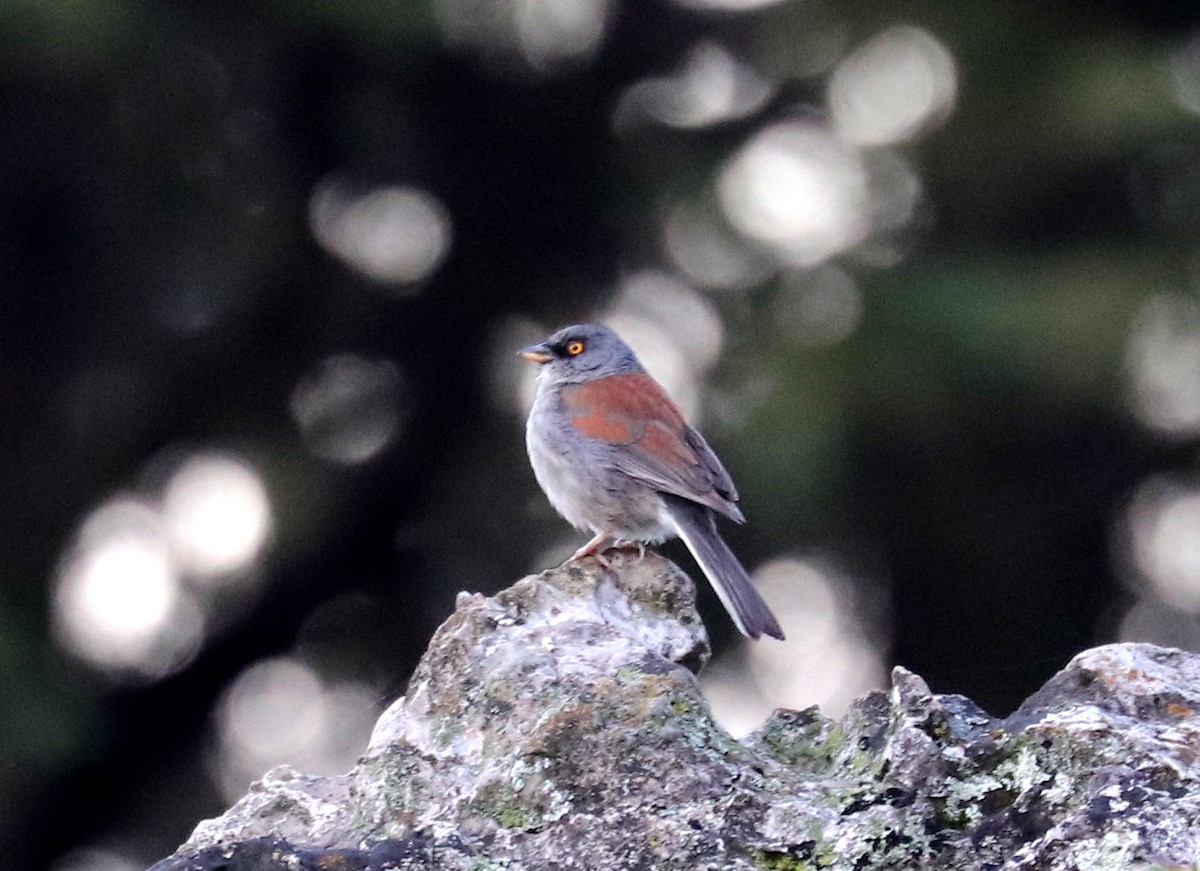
(593, 548)
(625, 542)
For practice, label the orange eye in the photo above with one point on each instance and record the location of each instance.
(575, 348)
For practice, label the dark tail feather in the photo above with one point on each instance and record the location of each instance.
(698, 529)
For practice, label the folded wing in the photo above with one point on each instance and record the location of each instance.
(651, 440)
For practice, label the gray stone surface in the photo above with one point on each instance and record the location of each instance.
(559, 725)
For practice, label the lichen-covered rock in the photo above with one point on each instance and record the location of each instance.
(559, 725)
(1100, 769)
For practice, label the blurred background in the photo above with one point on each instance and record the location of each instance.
(927, 274)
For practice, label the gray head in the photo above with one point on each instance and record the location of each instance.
(580, 353)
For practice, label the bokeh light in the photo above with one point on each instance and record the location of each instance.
(1148, 620)
(892, 87)
(818, 307)
(1184, 66)
(135, 587)
(798, 190)
(1163, 359)
(279, 711)
(217, 516)
(349, 408)
(712, 86)
(705, 249)
(197, 288)
(896, 194)
(728, 5)
(830, 658)
(96, 859)
(544, 35)
(1164, 524)
(553, 31)
(391, 234)
(118, 601)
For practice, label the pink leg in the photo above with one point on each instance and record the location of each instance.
(593, 548)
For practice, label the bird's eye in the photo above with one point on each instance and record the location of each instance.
(575, 348)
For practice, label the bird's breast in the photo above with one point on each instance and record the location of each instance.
(581, 481)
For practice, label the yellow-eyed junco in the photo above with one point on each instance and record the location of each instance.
(615, 456)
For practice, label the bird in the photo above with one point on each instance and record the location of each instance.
(616, 457)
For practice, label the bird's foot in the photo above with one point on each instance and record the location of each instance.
(598, 543)
(627, 542)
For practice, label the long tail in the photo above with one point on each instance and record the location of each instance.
(698, 529)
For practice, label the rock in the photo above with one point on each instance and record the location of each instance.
(559, 725)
